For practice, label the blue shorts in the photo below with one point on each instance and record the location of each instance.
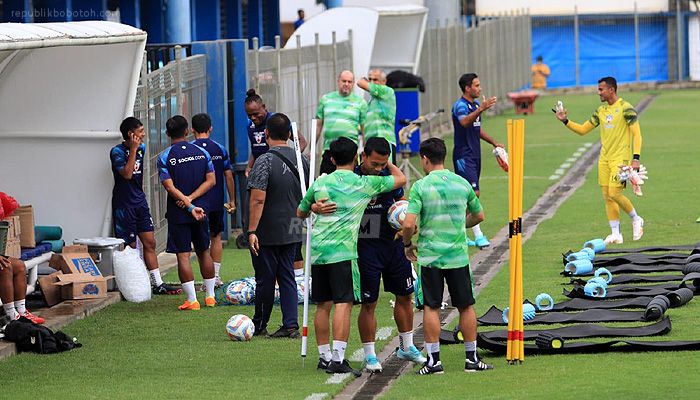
(469, 169)
(181, 237)
(216, 222)
(380, 258)
(129, 222)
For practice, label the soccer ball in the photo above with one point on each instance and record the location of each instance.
(240, 328)
(240, 293)
(397, 213)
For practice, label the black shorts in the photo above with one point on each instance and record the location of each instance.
(181, 237)
(333, 282)
(469, 169)
(297, 253)
(432, 285)
(129, 222)
(327, 165)
(385, 260)
(216, 222)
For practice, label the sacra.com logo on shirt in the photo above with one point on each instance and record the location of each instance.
(174, 161)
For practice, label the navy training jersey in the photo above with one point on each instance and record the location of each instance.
(127, 193)
(376, 212)
(256, 135)
(467, 140)
(187, 165)
(221, 161)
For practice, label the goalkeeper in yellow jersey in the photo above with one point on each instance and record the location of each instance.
(621, 141)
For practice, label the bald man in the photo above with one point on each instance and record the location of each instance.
(340, 114)
(381, 110)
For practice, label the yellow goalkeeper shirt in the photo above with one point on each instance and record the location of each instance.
(615, 134)
(619, 130)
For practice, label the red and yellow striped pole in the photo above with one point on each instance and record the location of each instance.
(516, 142)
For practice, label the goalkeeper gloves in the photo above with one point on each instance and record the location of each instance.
(635, 178)
(501, 157)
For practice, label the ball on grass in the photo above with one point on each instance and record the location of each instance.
(240, 328)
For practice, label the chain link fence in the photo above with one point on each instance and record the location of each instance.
(496, 49)
(179, 87)
(632, 47)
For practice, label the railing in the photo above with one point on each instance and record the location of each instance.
(178, 87)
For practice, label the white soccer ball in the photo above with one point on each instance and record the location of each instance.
(397, 213)
(240, 328)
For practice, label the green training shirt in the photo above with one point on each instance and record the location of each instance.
(334, 236)
(441, 200)
(342, 116)
(381, 113)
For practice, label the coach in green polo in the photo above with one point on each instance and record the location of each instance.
(340, 114)
(381, 110)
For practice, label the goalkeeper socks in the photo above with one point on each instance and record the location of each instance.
(20, 306)
(477, 230)
(209, 286)
(155, 276)
(470, 350)
(433, 350)
(188, 288)
(10, 310)
(369, 349)
(339, 350)
(405, 340)
(633, 214)
(615, 226)
(324, 352)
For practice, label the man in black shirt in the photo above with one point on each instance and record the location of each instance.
(274, 231)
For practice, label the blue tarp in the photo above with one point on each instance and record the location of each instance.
(604, 50)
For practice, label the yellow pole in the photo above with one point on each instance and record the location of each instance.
(511, 244)
(519, 204)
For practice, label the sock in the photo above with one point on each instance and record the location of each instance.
(369, 349)
(217, 269)
(299, 272)
(339, 350)
(10, 311)
(433, 350)
(155, 276)
(477, 230)
(470, 349)
(405, 340)
(615, 226)
(324, 351)
(188, 288)
(633, 214)
(21, 307)
(209, 286)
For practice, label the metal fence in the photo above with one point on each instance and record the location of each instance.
(497, 49)
(632, 47)
(293, 80)
(179, 87)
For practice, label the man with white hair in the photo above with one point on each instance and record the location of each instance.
(340, 114)
(381, 110)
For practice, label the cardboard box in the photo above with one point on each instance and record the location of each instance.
(51, 291)
(82, 286)
(14, 228)
(26, 223)
(75, 248)
(74, 263)
(13, 248)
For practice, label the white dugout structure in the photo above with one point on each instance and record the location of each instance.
(64, 89)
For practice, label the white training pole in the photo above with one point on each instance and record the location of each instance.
(307, 256)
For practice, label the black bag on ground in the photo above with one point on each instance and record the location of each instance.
(31, 337)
